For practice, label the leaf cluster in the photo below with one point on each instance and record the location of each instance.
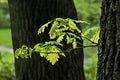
(63, 29)
(62, 32)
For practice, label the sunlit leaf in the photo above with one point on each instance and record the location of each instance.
(52, 32)
(42, 28)
(52, 58)
(74, 43)
(92, 34)
(23, 52)
(73, 25)
(80, 21)
(95, 37)
(69, 40)
(75, 36)
(62, 21)
(38, 47)
(60, 38)
(43, 55)
(30, 52)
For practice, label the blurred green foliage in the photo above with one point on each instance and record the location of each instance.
(89, 10)
(5, 37)
(90, 69)
(7, 71)
(3, 1)
(4, 14)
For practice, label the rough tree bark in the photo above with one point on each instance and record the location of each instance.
(109, 44)
(26, 17)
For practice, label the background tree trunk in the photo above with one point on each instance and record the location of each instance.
(109, 44)
(26, 17)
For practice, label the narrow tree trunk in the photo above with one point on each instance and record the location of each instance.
(26, 17)
(109, 44)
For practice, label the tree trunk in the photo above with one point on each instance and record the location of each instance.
(109, 44)
(26, 17)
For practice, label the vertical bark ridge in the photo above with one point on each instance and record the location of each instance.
(117, 58)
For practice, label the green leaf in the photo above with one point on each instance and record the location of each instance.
(63, 54)
(69, 40)
(52, 58)
(74, 43)
(43, 55)
(52, 54)
(92, 34)
(52, 32)
(74, 35)
(17, 54)
(73, 26)
(30, 52)
(23, 52)
(80, 21)
(58, 51)
(38, 47)
(60, 38)
(41, 49)
(62, 21)
(49, 51)
(42, 28)
(95, 37)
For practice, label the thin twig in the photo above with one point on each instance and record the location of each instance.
(90, 40)
(68, 50)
